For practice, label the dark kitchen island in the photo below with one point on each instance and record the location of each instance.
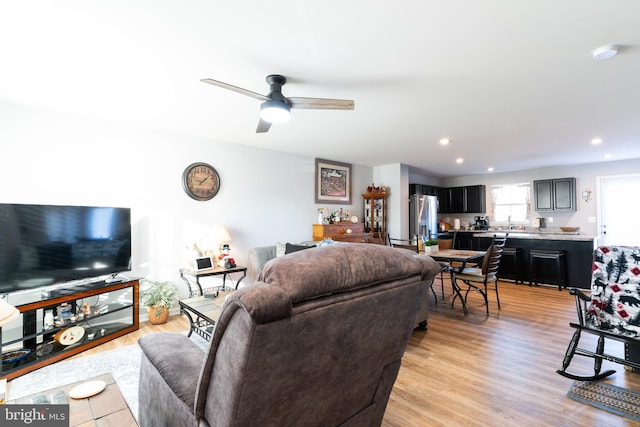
(579, 257)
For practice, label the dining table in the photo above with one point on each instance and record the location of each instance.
(462, 256)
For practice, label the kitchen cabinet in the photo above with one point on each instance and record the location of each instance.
(415, 189)
(443, 200)
(475, 199)
(464, 240)
(579, 255)
(430, 190)
(456, 200)
(469, 199)
(555, 194)
(423, 190)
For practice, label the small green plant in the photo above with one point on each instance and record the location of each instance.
(158, 293)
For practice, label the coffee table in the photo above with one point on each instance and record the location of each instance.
(107, 408)
(203, 312)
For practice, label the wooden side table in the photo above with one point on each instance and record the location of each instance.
(192, 278)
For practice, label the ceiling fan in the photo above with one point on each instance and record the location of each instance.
(276, 107)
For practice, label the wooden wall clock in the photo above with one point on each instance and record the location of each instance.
(201, 181)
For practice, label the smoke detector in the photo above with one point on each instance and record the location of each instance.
(605, 52)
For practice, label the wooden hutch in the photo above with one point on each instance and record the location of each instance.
(374, 213)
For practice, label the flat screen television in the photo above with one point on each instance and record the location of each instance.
(42, 245)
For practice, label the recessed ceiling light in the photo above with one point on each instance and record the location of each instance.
(605, 52)
(445, 141)
(490, 169)
(459, 160)
(596, 141)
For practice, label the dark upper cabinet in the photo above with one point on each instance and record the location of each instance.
(423, 190)
(555, 194)
(456, 201)
(430, 190)
(415, 189)
(470, 199)
(444, 196)
(475, 199)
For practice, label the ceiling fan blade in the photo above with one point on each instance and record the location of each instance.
(321, 103)
(263, 126)
(236, 89)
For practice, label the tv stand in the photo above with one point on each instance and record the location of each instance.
(92, 313)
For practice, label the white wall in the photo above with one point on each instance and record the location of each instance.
(265, 196)
(394, 177)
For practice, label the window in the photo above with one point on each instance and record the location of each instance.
(511, 202)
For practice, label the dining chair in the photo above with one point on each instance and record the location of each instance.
(446, 266)
(480, 278)
(411, 245)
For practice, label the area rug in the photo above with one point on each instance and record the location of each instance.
(122, 363)
(611, 398)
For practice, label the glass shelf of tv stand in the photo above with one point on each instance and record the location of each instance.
(116, 313)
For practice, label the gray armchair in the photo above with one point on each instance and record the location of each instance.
(318, 341)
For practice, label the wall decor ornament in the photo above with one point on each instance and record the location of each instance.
(333, 182)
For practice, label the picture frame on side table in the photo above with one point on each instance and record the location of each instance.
(204, 263)
(333, 182)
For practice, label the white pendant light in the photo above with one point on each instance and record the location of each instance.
(605, 52)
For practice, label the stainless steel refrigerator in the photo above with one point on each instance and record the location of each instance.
(423, 216)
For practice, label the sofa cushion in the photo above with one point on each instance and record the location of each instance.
(291, 248)
(281, 248)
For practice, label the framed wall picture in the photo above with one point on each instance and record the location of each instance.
(333, 182)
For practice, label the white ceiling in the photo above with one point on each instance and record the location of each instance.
(512, 83)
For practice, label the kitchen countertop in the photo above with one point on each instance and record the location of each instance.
(518, 234)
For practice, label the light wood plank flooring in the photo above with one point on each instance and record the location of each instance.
(484, 371)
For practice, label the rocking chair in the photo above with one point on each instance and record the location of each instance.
(612, 311)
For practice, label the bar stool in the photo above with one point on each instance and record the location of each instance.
(514, 255)
(557, 256)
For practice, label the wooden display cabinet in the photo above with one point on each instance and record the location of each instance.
(374, 213)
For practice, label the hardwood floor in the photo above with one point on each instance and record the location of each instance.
(484, 371)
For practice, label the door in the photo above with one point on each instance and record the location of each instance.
(618, 207)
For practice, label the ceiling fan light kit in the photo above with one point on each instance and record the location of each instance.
(274, 111)
(276, 107)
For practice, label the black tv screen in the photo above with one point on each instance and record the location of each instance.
(42, 245)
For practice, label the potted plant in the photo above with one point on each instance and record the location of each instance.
(159, 298)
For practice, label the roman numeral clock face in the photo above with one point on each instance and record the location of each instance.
(201, 181)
